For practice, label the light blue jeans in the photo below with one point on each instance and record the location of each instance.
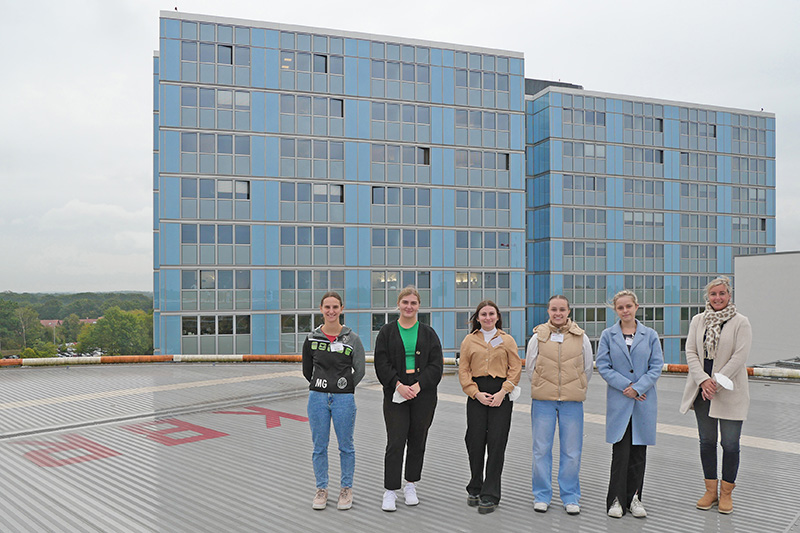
(323, 408)
(569, 415)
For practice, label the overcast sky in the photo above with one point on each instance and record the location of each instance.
(76, 117)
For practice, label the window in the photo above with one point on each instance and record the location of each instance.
(386, 285)
(320, 63)
(394, 246)
(303, 289)
(209, 198)
(223, 334)
(307, 245)
(215, 289)
(224, 54)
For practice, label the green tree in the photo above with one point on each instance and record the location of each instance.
(70, 328)
(41, 349)
(119, 333)
(28, 325)
(50, 309)
(82, 307)
(9, 337)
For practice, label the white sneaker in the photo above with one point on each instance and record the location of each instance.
(637, 509)
(540, 507)
(389, 498)
(615, 511)
(410, 492)
(573, 508)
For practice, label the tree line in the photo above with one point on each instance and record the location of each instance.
(126, 326)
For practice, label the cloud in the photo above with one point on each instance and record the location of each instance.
(78, 246)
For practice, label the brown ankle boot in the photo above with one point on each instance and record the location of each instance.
(725, 501)
(709, 499)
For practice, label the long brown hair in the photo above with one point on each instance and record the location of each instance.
(475, 325)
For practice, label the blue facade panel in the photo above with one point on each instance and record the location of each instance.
(172, 334)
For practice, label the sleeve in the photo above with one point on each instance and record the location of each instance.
(468, 385)
(308, 360)
(588, 358)
(514, 367)
(530, 355)
(654, 366)
(386, 373)
(693, 357)
(359, 364)
(605, 368)
(431, 375)
(744, 337)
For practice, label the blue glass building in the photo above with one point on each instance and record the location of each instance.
(290, 161)
(650, 195)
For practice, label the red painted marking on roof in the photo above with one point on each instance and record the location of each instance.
(164, 435)
(49, 455)
(273, 417)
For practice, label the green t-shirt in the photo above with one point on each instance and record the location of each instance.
(409, 336)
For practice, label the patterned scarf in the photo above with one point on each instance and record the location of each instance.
(713, 321)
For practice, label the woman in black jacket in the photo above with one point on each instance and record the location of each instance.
(409, 363)
(333, 364)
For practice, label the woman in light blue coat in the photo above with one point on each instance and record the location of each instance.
(629, 358)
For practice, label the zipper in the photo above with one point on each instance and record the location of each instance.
(560, 344)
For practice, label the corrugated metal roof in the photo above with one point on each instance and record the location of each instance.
(174, 448)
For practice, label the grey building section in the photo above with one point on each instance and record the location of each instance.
(765, 291)
(225, 447)
(534, 86)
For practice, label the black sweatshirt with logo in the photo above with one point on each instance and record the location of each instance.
(334, 367)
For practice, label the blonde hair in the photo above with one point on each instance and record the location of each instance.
(409, 289)
(719, 280)
(622, 294)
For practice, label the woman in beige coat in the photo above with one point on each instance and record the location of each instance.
(716, 388)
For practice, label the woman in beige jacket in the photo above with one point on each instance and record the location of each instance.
(489, 369)
(716, 388)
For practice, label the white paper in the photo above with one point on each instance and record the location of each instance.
(337, 347)
(398, 398)
(557, 337)
(724, 381)
(497, 341)
(515, 393)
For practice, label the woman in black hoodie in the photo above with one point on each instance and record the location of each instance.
(333, 364)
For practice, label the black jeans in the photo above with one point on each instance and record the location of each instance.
(729, 430)
(627, 470)
(486, 439)
(407, 427)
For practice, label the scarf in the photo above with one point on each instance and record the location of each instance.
(713, 322)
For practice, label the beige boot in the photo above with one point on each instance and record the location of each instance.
(709, 499)
(725, 501)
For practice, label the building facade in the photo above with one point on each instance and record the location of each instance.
(644, 194)
(290, 161)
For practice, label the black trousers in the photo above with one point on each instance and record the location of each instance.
(627, 471)
(486, 438)
(407, 427)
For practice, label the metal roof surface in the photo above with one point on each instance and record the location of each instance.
(226, 448)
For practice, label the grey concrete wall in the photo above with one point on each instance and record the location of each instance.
(767, 291)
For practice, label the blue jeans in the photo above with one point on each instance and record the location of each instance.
(341, 408)
(729, 430)
(569, 415)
